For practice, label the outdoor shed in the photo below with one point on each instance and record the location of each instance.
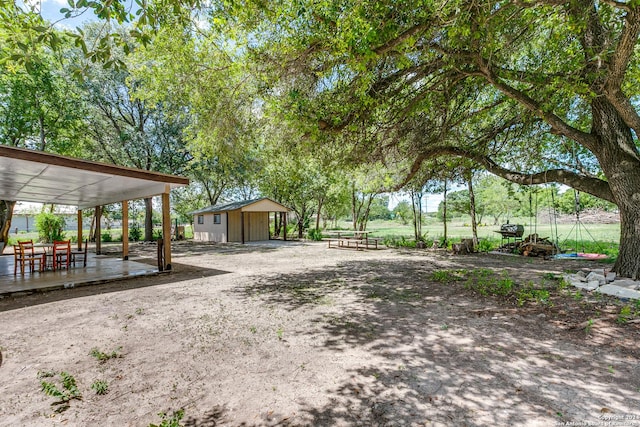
(245, 221)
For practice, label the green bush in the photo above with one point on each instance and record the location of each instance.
(314, 234)
(135, 233)
(50, 227)
(485, 245)
(106, 237)
(398, 242)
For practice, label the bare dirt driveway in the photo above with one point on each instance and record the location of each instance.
(295, 334)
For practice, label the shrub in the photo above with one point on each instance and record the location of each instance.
(135, 233)
(314, 234)
(485, 245)
(398, 242)
(50, 227)
(106, 237)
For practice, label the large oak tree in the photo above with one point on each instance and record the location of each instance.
(533, 91)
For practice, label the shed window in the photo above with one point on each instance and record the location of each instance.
(200, 219)
(216, 218)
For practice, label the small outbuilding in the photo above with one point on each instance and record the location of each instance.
(245, 221)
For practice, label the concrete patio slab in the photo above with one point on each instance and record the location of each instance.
(99, 269)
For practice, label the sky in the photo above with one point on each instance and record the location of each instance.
(50, 10)
(431, 205)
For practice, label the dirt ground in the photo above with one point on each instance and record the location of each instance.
(295, 334)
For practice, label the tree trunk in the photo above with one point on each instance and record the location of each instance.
(365, 217)
(148, 219)
(627, 264)
(472, 211)
(320, 203)
(301, 220)
(444, 213)
(277, 223)
(355, 208)
(620, 162)
(415, 217)
(416, 209)
(92, 228)
(419, 216)
(6, 213)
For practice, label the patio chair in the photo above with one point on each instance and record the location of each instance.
(61, 254)
(81, 255)
(24, 253)
(18, 260)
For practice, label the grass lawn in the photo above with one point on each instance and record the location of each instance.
(458, 228)
(600, 238)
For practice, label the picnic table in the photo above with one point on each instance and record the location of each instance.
(353, 239)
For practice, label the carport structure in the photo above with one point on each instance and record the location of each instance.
(34, 176)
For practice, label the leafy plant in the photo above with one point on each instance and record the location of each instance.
(100, 387)
(102, 356)
(444, 276)
(485, 282)
(135, 233)
(587, 329)
(50, 227)
(172, 421)
(530, 293)
(562, 284)
(65, 389)
(399, 242)
(106, 236)
(314, 234)
(625, 315)
(485, 245)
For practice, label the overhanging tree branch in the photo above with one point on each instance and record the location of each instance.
(558, 126)
(586, 184)
(391, 44)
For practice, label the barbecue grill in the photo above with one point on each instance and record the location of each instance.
(510, 232)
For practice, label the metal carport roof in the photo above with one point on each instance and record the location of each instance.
(34, 176)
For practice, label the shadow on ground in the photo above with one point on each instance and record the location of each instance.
(179, 272)
(438, 354)
(188, 248)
